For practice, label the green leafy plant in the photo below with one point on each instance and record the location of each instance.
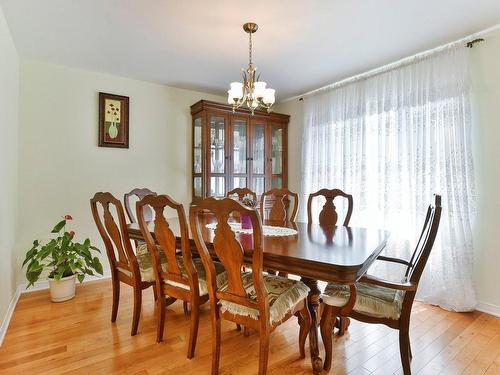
(62, 256)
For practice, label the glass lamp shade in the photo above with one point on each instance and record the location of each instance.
(259, 89)
(236, 90)
(230, 97)
(269, 96)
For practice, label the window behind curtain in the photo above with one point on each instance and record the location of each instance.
(393, 140)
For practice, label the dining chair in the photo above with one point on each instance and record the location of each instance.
(139, 193)
(328, 214)
(328, 218)
(381, 301)
(241, 192)
(252, 299)
(279, 210)
(126, 266)
(181, 277)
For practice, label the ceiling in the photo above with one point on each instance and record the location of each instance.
(199, 44)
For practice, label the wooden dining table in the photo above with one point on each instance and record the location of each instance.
(315, 253)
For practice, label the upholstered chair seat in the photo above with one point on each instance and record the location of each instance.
(373, 300)
(147, 271)
(283, 295)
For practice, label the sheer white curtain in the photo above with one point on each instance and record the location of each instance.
(393, 140)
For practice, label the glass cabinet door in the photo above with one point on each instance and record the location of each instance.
(217, 181)
(239, 152)
(277, 156)
(258, 158)
(197, 158)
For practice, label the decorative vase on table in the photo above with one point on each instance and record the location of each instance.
(246, 221)
(250, 202)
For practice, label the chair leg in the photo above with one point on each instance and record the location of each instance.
(326, 326)
(238, 327)
(305, 322)
(343, 324)
(160, 314)
(216, 332)
(116, 298)
(264, 347)
(155, 294)
(246, 331)
(404, 348)
(193, 333)
(185, 307)
(137, 309)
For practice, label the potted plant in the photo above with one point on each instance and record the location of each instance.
(65, 260)
(246, 221)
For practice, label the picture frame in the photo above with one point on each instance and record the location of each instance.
(113, 120)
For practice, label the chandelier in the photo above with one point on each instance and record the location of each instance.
(252, 92)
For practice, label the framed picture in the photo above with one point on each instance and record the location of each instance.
(113, 120)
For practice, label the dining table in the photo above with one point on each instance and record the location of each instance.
(312, 251)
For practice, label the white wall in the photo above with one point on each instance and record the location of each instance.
(9, 85)
(486, 111)
(60, 164)
(485, 64)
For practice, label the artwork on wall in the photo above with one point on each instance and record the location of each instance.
(113, 120)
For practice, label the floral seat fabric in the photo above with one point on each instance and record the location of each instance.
(372, 300)
(283, 293)
(147, 273)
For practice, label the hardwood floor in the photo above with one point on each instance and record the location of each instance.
(77, 337)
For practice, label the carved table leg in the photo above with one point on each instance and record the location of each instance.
(313, 302)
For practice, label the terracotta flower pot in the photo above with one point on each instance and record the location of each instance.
(62, 290)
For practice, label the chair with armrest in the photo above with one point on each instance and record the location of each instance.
(381, 301)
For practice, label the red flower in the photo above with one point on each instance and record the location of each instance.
(68, 217)
(72, 233)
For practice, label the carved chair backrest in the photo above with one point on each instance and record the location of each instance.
(241, 192)
(165, 238)
(138, 193)
(280, 210)
(112, 227)
(228, 248)
(328, 214)
(425, 242)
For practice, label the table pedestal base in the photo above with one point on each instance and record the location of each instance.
(313, 301)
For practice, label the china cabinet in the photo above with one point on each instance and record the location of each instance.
(237, 149)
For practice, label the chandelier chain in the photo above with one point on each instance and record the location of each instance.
(250, 48)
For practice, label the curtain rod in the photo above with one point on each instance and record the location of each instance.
(469, 41)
